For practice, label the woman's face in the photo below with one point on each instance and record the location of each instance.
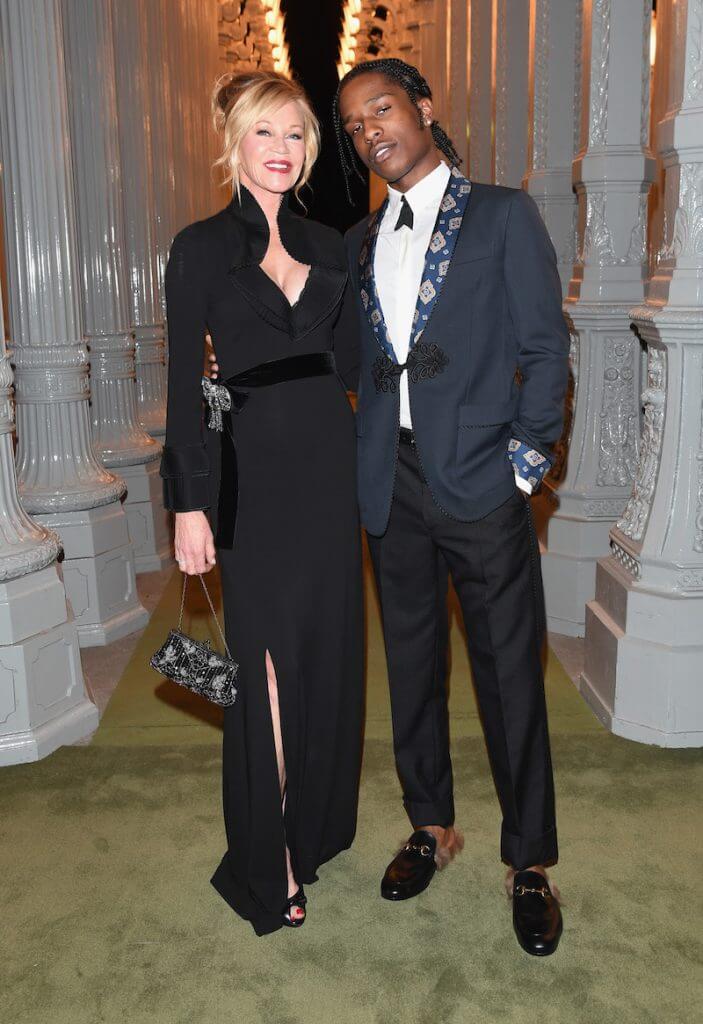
(272, 152)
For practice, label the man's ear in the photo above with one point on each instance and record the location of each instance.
(426, 110)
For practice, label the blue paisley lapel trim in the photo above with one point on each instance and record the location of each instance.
(369, 294)
(437, 261)
(441, 249)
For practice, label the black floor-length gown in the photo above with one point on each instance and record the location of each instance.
(290, 558)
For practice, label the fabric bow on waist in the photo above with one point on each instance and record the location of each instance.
(221, 398)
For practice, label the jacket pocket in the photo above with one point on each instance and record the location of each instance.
(482, 443)
(472, 255)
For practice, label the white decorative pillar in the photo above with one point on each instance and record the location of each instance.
(59, 476)
(510, 91)
(458, 79)
(134, 122)
(120, 440)
(643, 669)
(161, 87)
(43, 703)
(554, 120)
(432, 17)
(612, 174)
(480, 91)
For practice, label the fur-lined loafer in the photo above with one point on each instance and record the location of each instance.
(412, 868)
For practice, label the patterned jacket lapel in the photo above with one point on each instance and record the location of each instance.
(369, 294)
(437, 262)
(441, 249)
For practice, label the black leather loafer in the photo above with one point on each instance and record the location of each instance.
(536, 914)
(412, 868)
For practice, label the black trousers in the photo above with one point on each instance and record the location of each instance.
(494, 566)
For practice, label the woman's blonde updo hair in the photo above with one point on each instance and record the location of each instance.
(240, 100)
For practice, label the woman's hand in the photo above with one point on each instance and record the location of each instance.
(194, 543)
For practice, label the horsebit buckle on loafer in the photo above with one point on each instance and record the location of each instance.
(522, 890)
(423, 850)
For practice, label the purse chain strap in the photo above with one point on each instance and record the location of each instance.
(212, 609)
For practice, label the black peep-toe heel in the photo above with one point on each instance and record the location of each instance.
(299, 899)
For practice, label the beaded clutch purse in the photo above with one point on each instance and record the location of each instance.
(194, 665)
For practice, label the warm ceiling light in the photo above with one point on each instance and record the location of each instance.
(653, 40)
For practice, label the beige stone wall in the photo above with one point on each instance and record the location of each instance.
(251, 36)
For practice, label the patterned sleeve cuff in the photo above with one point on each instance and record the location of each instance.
(530, 466)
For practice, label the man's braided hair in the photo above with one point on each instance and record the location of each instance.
(410, 79)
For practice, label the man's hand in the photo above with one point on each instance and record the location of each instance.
(194, 543)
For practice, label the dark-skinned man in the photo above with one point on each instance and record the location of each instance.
(460, 400)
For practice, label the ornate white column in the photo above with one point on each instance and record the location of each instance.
(612, 174)
(58, 474)
(43, 703)
(146, 313)
(480, 90)
(510, 91)
(554, 120)
(458, 79)
(644, 631)
(432, 18)
(161, 89)
(120, 440)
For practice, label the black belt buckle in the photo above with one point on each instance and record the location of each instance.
(406, 436)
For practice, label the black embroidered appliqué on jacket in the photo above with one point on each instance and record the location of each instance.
(424, 362)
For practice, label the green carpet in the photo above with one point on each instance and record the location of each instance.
(108, 916)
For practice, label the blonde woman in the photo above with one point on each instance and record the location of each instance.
(272, 498)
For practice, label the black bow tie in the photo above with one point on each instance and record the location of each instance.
(405, 217)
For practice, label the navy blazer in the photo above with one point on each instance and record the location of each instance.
(491, 365)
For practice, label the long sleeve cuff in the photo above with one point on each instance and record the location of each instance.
(530, 466)
(185, 471)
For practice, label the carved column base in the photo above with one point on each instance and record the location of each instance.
(43, 702)
(644, 659)
(570, 546)
(150, 526)
(118, 438)
(594, 477)
(644, 643)
(98, 570)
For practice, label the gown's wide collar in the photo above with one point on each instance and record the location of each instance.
(301, 238)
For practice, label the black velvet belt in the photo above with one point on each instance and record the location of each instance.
(276, 371)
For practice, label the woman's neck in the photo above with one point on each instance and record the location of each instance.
(270, 202)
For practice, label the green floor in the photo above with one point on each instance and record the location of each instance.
(108, 915)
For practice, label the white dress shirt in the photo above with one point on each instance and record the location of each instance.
(399, 262)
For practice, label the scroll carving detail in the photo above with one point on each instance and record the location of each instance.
(636, 514)
(618, 416)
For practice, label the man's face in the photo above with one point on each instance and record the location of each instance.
(389, 136)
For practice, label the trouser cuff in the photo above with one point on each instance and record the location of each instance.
(523, 851)
(439, 812)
